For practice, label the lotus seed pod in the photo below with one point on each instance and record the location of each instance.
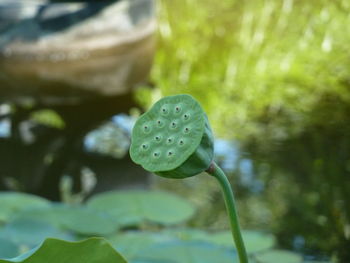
(173, 139)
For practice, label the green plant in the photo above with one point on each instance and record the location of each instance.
(142, 225)
(174, 140)
(57, 251)
(274, 75)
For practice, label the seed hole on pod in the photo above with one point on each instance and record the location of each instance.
(177, 109)
(186, 130)
(169, 140)
(181, 142)
(156, 154)
(160, 123)
(144, 146)
(186, 116)
(164, 111)
(157, 138)
(170, 153)
(173, 125)
(146, 128)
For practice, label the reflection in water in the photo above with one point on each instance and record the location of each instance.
(62, 54)
(65, 69)
(111, 138)
(5, 128)
(37, 155)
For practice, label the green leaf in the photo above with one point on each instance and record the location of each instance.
(187, 252)
(13, 202)
(254, 240)
(81, 220)
(188, 234)
(133, 207)
(30, 232)
(273, 256)
(8, 249)
(131, 243)
(93, 250)
(87, 221)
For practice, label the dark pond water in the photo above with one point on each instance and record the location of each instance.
(65, 70)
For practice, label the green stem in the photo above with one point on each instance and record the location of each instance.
(216, 171)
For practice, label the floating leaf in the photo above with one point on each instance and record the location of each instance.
(93, 250)
(273, 256)
(132, 207)
(317, 261)
(82, 220)
(188, 234)
(12, 202)
(131, 243)
(47, 214)
(187, 252)
(87, 221)
(30, 232)
(254, 240)
(8, 249)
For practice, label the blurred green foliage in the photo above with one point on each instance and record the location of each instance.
(274, 75)
(48, 118)
(256, 66)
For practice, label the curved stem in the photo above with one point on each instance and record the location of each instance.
(216, 171)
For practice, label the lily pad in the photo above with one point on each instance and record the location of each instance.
(31, 232)
(13, 202)
(8, 249)
(93, 250)
(131, 243)
(187, 252)
(273, 256)
(87, 221)
(133, 207)
(81, 220)
(46, 214)
(255, 241)
(188, 234)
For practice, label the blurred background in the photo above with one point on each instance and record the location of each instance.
(273, 77)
